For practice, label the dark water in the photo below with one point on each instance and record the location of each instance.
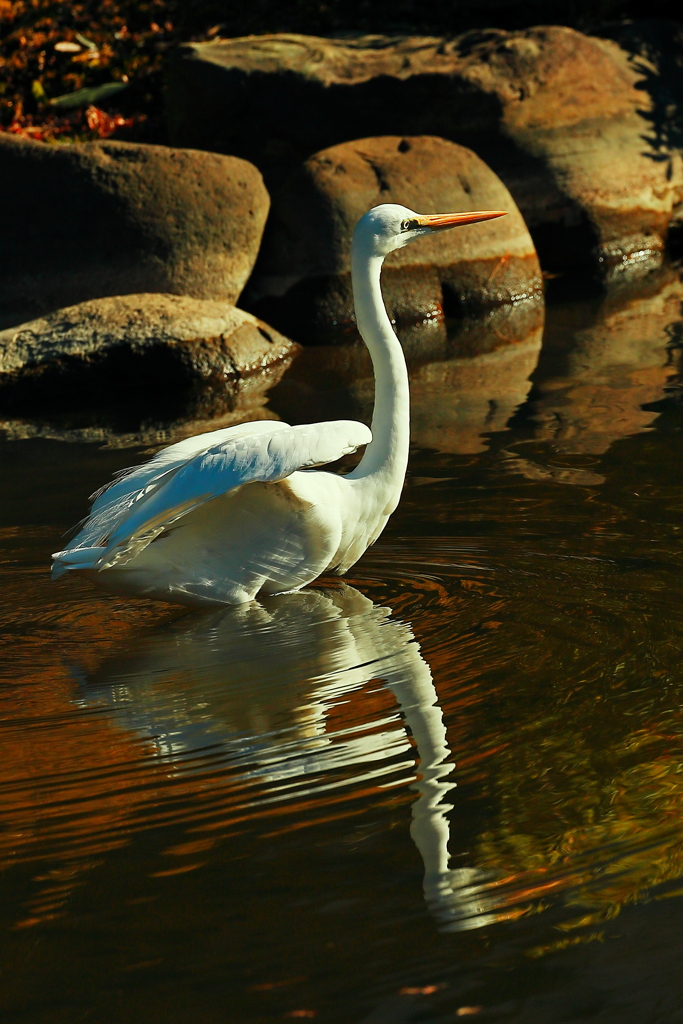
(450, 786)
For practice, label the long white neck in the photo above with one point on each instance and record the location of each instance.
(386, 457)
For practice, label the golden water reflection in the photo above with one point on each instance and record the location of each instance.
(596, 376)
(478, 736)
(310, 702)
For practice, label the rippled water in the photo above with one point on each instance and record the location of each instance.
(451, 785)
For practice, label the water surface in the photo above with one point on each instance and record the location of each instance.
(450, 785)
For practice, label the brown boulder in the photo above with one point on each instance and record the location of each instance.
(302, 280)
(111, 218)
(563, 118)
(163, 350)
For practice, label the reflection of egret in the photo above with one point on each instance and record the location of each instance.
(253, 689)
(223, 516)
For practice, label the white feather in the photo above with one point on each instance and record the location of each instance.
(138, 507)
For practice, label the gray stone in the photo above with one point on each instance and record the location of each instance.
(563, 118)
(302, 280)
(110, 218)
(160, 350)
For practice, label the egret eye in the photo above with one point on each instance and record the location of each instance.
(409, 225)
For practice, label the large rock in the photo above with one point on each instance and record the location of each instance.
(562, 117)
(164, 350)
(110, 218)
(302, 281)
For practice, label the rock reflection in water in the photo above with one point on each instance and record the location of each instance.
(261, 690)
(128, 427)
(461, 390)
(456, 403)
(593, 382)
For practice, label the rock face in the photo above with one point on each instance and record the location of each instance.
(111, 218)
(162, 349)
(302, 281)
(563, 118)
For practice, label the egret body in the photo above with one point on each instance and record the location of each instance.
(223, 516)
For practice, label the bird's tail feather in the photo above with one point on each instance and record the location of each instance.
(75, 558)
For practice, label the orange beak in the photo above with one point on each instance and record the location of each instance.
(439, 221)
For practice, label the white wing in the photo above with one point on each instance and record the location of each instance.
(139, 506)
(129, 480)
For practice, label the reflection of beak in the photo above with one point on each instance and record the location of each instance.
(439, 221)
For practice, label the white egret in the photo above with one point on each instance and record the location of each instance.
(223, 516)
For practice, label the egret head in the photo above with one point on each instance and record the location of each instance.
(389, 227)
